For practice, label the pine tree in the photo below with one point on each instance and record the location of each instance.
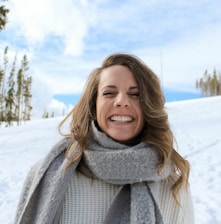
(209, 85)
(27, 98)
(214, 84)
(3, 17)
(26, 93)
(19, 95)
(10, 98)
(219, 85)
(2, 85)
(45, 114)
(3, 21)
(205, 82)
(1, 96)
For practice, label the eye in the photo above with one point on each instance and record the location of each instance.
(108, 93)
(134, 95)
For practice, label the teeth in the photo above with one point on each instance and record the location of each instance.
(121, 118)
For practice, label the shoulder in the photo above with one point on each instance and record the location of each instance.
(57, 150)
(40, 167)
(50, 164)
(173, 212)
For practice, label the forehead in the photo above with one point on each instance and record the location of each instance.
(117, 75)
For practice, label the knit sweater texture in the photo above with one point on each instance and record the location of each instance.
(86, 201)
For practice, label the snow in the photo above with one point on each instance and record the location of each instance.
(196, 125)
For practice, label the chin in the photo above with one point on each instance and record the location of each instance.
(130, 141)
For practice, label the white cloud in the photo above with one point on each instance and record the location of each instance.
(64, 75)
(43, 101)
(65, 85)
(41, 96)
(38, 20)
(186, 59)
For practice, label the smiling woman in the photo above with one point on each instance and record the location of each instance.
(118, 163)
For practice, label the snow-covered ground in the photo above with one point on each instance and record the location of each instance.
(197, 128)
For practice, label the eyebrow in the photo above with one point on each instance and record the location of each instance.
(114, 87)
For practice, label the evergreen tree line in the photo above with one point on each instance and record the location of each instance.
(15, 91)
(209, 84)
(46, 114)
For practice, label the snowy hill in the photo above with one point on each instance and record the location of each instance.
(197, 128)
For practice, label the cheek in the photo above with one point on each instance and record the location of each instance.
(141, 118)
(97, 108)
(101, 121)
(103, 109)
(100, 111)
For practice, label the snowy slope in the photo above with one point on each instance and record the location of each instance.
(197, 128)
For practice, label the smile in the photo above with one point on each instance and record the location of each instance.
(121, 118)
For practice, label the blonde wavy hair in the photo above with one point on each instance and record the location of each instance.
(157, 132)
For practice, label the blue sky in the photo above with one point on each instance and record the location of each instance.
(65, 40)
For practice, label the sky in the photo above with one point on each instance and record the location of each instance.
(66, 40)
(195, 123)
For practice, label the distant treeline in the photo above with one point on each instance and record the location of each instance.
(209, 84)
(15, 85)
(15, 91)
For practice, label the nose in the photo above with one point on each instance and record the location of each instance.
(121, 100)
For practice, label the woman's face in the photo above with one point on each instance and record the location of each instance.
(118, 109)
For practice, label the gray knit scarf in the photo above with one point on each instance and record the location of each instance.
(133, 167)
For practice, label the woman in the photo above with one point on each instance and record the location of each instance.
(118, 164)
